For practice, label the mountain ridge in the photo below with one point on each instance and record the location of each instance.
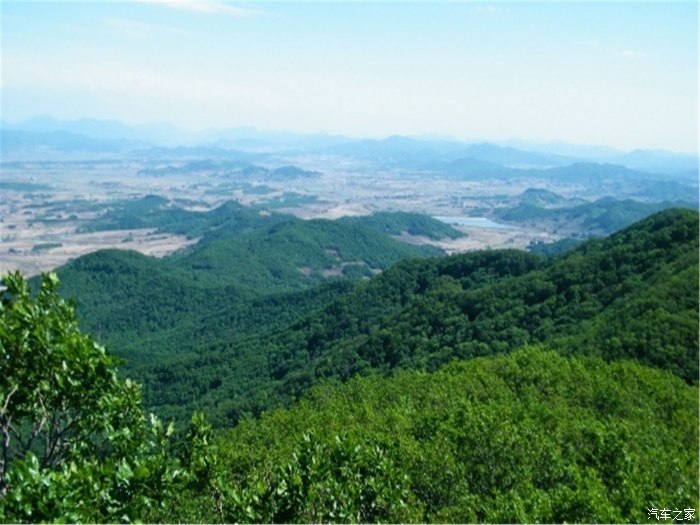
(607, 296)
(91, 134)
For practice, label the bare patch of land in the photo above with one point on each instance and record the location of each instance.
(40, 250)
(477, 238)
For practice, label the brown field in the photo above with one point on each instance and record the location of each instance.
(19, 254)
(29, 218)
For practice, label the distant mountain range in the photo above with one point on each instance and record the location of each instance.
(649, 160)
(45, 134)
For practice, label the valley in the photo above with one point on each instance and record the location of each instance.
(370, 312)
(47, 206)
(349, 262)
(61, 198)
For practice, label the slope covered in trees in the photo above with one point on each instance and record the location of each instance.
(232, 219)
(528, 437)
(242, 255)
(602, 217)
(632, 295)
(436, 431)
(396, 223)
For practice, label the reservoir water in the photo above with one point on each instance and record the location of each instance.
(479, 222)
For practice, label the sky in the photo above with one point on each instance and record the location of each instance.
(622, 74)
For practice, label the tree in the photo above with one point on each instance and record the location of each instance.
(76, 444)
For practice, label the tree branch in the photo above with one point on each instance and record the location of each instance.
(7, 401)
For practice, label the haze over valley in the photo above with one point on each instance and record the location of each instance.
(62, 178)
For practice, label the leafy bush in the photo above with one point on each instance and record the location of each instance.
(76, 445)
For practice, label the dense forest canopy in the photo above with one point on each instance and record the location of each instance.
(232, 353)
(497, 386)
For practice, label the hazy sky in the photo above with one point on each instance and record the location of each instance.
(623, 74)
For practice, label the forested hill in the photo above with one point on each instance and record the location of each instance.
(236, 280)
(602, 217)
(232, 219)
(251, 249)
(396, 223)
(630, 296)
(509, 430)
(530, 437)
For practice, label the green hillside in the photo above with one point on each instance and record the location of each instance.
(396, 223)
(463, 306)
(602, 217)
(525, 438)
(232, 219)
(546, 199)
(632, 295)
(292, 254)
(497, 386)
(238, 269)
(157, 212)
(553, 248)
